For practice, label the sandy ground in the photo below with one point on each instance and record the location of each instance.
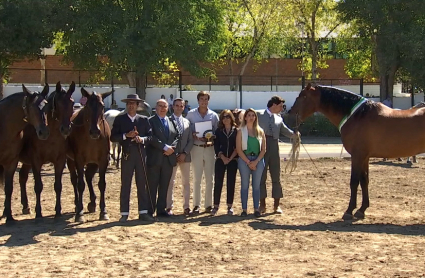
(308, 240)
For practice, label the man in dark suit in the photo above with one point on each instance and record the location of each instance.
(161, 157)
(133, 132)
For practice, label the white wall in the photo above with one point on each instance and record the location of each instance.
(223, 99)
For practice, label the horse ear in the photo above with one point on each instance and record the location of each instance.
(45, 91)
(58, 87)
(85, 93)
(71, 90)
(107, 94)
(26, 91)
(308, 87)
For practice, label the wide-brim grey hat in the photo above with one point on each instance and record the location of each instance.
(132, 97)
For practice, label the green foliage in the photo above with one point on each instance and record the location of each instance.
(139, 35)
(316, 125)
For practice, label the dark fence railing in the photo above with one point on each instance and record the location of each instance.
(167, 78)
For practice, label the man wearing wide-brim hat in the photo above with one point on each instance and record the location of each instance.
(133, 132)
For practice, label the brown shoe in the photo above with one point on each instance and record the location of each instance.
(187, 212)
(196, 210)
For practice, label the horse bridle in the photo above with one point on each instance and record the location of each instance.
(24, 105)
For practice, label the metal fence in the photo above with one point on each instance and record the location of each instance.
(171, 79)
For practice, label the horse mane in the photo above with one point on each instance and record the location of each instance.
(342, 101)
(13, 97)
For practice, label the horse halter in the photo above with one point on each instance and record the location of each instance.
(24, 105)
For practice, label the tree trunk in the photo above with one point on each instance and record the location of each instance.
(138, 81)
(1, 86)
(141, 85)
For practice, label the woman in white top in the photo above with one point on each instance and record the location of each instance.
(251, 147)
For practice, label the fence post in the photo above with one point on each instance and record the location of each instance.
(209, 82)
(45, 76)
(180, 83)
(302, 82)
(271, 83)
(79, 78)
(361, 87)
(113, 90)
(240, 91)
(412, 96)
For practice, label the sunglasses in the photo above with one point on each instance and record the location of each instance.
(226, 117)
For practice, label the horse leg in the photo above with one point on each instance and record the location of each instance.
(364, 183)
(23, 178)
(38, 188)
(354, 184)
(90, 172)
(8, 190)
(79, 216)
(74, 180)
(102, 188)
(59, 166)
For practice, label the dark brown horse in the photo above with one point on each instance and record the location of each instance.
(17, 111)
(89, 146)
(36, 152)
(368, 129)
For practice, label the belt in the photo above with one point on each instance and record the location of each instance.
(252, 154)
(203, 146)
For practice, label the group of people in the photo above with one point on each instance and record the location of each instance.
(155, 148)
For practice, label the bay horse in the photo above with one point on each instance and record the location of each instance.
(368, 129)
(36, 152)
(89, 145)
(17, 111)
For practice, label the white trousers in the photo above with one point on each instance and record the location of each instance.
(185, 174)
(203, 160)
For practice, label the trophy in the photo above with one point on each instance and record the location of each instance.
(208, 134)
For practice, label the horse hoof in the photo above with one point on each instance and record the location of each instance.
(359, 214)
(347, 217)
(91, 207)
(26, 211)
(104, 216)
(79, 219)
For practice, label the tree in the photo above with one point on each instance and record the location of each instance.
(392, 26)
(141, 36)
(25, 28)
(314, 22)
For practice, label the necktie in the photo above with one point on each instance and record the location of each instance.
(179, 125)
(164, 123)
(271, 122)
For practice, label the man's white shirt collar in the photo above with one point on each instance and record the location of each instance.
(132, 118)
(268, 112)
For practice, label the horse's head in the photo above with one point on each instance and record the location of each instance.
(238, 114)
(61, 104)
(94, 110)
(306, 103)
(34, 110)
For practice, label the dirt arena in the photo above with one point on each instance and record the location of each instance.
(308, 240)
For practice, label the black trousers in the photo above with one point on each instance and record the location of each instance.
(220, 170)
(133, 164)
(159, 179)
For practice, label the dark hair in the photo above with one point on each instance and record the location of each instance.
(275, 100)
(178, 99)
(221, 117)
(203, 93)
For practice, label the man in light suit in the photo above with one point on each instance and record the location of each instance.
(272, 124)
(161, 157)
(183, 157)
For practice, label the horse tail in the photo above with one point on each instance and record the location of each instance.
(1, 177)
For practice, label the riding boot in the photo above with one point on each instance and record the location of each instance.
(277, 209)
(262, 207)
